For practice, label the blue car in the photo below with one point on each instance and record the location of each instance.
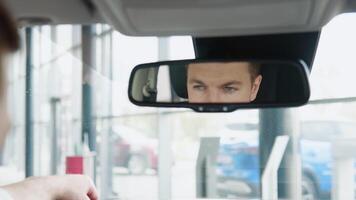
(238, 162)
(238, 170)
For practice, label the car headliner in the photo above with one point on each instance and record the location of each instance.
(34, 12)
(194, 17)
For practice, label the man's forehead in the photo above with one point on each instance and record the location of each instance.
(211, 65)
(219, 70)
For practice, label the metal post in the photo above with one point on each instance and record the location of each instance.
(77, 110)
(275, 122)
(54, 136)
(88, 60)
(343, 154)
(29, 157)
(165, 139)
(343, 183)
(206, 180)
(54, 111)
(110, 122)
(269, 178)
(106, 144)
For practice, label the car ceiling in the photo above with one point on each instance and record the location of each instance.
(201, 18)
(33, 12)
(186, 17)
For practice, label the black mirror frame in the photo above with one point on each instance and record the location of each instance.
(226, 107)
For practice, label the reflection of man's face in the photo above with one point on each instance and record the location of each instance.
(222, 83)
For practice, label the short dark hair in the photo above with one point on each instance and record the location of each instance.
(9, 36)
(9, 41)
(254, 69)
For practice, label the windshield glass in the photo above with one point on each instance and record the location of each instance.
(80, 102)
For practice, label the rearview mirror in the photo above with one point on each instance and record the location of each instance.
(220, 85)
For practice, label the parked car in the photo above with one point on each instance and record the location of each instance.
(134, 150)
(238, 161)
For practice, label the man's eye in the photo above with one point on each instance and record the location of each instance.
(230, 89)
(199, 87)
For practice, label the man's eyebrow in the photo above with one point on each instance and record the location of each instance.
(232, 83)
(196, 81)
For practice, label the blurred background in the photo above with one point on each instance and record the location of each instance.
(152, 153)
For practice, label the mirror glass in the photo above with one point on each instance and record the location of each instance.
(192, 82)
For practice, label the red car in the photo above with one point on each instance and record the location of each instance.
(134, 150)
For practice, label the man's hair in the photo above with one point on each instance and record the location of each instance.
(9, 41)
(9, 36)
(254, 69)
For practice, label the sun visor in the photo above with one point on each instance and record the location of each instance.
(217, 17)
(41, 12)
(300, 46)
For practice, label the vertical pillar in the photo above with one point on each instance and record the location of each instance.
(206, 180)
(342, 181)
(77, 70)
(106, 144)
(29, 157)
(275, 122)
(54, 135)
(110, 114)
(88, 60)
(54, 111)
(165, 138)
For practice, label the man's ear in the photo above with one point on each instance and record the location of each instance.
(255, 87)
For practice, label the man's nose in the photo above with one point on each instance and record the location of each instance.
(213, 96)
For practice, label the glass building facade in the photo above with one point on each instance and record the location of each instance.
(151, 153)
